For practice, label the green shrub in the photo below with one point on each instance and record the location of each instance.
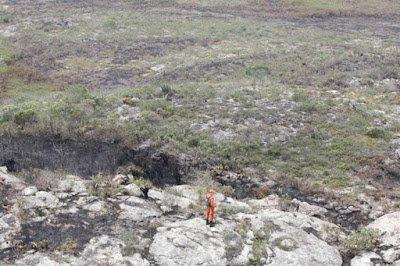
(6, 18)
(110, 23)
(26, 116)
(376, 133)
(366, 240)
(274, 150)
(165, 89)
(257, 71)
(300, 97)
(131, 241)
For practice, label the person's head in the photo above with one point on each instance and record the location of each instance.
(211, 191)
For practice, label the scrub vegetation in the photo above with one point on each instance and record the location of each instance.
(289, 89)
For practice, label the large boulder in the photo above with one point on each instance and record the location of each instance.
(308, 209)
(137, 209)
(29, 191)
(132, 190)
(292, 239)
(102, 250)
(38, 259)
(41, 199)
(188, 242)
(72, 184)
(9, 181)
(9, 226)
(106, 250)
(170, 198)
(270, 202)
(388, 225)
(365, 259)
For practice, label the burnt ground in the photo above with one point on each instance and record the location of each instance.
(86, 159)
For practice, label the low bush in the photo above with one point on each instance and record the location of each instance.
(376, 133)
(365, 240)
(24, 117)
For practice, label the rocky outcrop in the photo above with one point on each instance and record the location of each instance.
(188, 243)
(388, 225)
(289, 236)
(136, 209)
(10, 182)
(365, 259)
(166, 229)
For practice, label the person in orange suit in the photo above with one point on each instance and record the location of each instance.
(210, 208)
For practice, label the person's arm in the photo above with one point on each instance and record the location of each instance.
(212, 202)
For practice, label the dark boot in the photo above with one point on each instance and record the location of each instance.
(207, 222)
(212, 224)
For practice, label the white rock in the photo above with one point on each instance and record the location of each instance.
(397, 153)
(106, 250)
(29, 191)
(390, 255)
(38, 259)
(132, 190)
(42, 199)
(94, 207)
(168, 200)
(157, 68)
(388, 225)
(364, 259)
(371, 188)
(188, 242)
(5, 235)
(72, 184)
(9, 180)
(243, 258)
(188, 192)
(306, 249)
(310, 210)
(270, 202)
(136, 209)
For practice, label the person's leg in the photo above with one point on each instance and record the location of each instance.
(211, 217)
(208, 215)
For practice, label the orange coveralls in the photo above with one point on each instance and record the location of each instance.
(210, 209)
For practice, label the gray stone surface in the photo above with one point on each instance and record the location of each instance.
(29, 191)
(365, 259)
(72, 184)
(9, 180)
(270, 202)
(290, 241)
(42, 199)
(188, 242)
(38, 259)
(390, 255)
(388, 225)
(137, 209)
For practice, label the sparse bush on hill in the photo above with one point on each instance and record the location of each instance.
(365, 240)
(25, 116)
(376, 133)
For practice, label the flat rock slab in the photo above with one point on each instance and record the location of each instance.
(188, 242)
(389, 227)
(290, 240)
(137, 209)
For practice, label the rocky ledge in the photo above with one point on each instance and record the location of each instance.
(81, 226)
